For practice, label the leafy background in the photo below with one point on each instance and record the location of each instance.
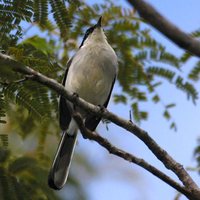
(28, 111)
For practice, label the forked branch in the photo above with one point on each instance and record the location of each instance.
(162, 155)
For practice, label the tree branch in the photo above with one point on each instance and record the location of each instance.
(127, 156)
(161, 154)
(154, 18)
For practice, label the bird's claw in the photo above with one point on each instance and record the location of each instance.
(75, 95)
(102, 108)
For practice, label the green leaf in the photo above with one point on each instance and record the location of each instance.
(185, 57)
(173, 126)
(156, 84)
(166, 115)
(120, 99)
(195, 72)
(143, 115)
(170, 105)
(156, 98)
(196, 33)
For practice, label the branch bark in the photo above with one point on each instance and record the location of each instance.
(158, 21)
(161, 154)
(127, 156)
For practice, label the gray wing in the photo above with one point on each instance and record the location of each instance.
(64, 106)
(92, 121)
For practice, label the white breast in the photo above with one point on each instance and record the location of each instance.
(92, 73)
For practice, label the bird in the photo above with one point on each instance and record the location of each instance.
(91, 74)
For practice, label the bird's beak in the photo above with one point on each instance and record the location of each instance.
(99, 22)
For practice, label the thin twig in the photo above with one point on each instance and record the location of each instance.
(87, 134)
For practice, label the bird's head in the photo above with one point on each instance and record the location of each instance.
(94, 34)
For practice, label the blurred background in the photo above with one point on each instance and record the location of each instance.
(158, 83)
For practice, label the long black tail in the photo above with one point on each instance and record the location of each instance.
(60, 168)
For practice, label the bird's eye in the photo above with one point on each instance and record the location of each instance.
(90, 30)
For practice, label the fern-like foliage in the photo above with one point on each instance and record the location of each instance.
(142, 61)
(186, 55)
(60, 15)
(187, 87)
(162, 72)
(31, 109)
(25, 177)
(195, 72)
(13, 12)
(40, 12)
(142, 58)
(197, 155)
(22, 178)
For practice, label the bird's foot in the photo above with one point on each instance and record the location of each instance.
(75, 95)
(102, 108)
